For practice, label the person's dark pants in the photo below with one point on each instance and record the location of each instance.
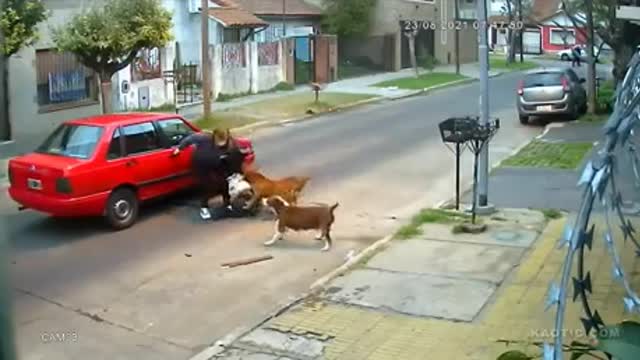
(212, 185)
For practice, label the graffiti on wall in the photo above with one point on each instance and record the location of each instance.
(233, 56)
(268, 54)
(147, 65)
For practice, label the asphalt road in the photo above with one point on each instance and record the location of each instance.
(157, 290)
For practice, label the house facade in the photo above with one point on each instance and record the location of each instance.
(557, 31)
(47, 87)
(289, 18)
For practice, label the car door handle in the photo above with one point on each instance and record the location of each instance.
(131, 163)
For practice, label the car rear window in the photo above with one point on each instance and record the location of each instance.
(543, 79)
(71, 140)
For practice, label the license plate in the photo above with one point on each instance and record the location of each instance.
(34, 184)
(545, 108)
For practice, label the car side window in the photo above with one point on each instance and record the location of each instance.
(115, 147)
(174, 130)
(140, 138)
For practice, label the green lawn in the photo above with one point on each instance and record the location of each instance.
(423, 81)
(500, 63)
(429, 216)
(540, 154)
(280, 108)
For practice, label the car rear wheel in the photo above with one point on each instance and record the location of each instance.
(564, 57)
(524, 119)
(122, 208)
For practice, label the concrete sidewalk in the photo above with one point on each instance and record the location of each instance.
(357, 85)
(441, 296)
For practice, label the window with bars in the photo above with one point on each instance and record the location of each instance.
(62, 80)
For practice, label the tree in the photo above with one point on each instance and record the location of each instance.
(411, 37)
(108, 39)
(512, 9)
(18, 25)
(348, 18)
(622, 36)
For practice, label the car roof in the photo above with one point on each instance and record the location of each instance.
(119, 119)
(546, 70)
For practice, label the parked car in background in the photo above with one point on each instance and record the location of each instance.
(105, 166)
(567, 54)
(545, 92)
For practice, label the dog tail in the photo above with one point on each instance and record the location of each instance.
(333, 207)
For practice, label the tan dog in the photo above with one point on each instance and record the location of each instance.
(300, 218)
(288, 188)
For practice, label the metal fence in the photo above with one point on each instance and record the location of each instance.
(186, 84)
(603, 189)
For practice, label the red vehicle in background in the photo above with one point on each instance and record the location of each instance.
(106, 166)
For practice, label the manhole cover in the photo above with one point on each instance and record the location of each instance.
(506, 236)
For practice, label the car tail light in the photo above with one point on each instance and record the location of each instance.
(520, 87)
(565, 84)
(63, 186)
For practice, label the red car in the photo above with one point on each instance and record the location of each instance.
(106, 166)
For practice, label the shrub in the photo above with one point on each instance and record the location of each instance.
(283, 86)
(605, 100)
(428, 62)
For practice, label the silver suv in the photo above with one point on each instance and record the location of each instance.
(546, 92)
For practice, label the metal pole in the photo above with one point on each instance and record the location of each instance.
(284, 18)
(205, 66)
(474, 204)
(483, 54)
(457, 36)
(458, 176)
(521, 31)
(591, 65)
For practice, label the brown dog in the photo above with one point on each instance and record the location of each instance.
(299, 218)
(288, 188)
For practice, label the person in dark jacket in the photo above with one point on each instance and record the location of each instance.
(577, 54)
(210, 168)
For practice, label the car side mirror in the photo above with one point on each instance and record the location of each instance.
(583, 80)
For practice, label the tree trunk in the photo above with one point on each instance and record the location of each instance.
(512, 47)
(622, 56)
(105, 91)
(412, 51)
(591, 65)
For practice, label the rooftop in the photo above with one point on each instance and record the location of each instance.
(275, 7)
(120, 118)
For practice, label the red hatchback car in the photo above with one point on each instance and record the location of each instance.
(106, 166)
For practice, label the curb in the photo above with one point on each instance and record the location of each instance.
(464, 189)
(221, 345)
(339, 108)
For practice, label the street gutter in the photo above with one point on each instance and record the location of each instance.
(351, 106)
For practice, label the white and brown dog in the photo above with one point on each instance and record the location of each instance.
(318, 217)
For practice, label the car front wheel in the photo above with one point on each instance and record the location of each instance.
(564, 57)
(122, 209)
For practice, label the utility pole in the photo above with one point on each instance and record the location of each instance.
(457, 35)
(284, 18)
(206, 64)
(521, 31)
(483, 55)
(591, 64)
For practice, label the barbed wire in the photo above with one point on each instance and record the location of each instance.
(600, 182)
